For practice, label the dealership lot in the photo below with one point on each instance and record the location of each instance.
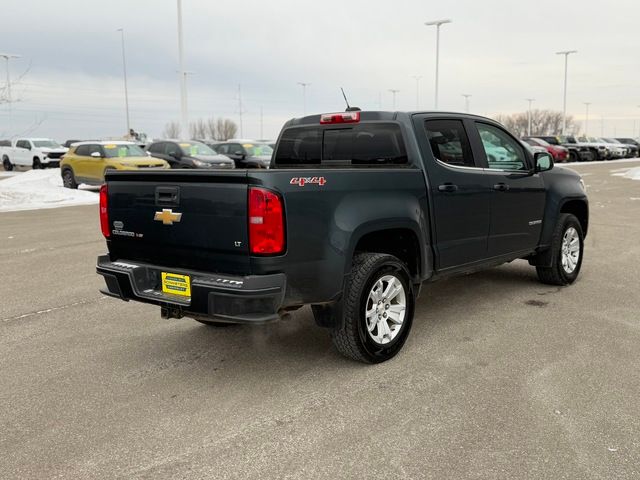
(502, 377)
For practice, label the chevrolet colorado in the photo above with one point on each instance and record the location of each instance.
(357, 210)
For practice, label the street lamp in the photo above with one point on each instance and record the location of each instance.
(7, 57)
(437, 24)
(586, 118)
(417, 78)
(304, 96)
(566, 54)
(126, 91)
(184, 117)
(394, 91)
(530, 100)
(466, 101)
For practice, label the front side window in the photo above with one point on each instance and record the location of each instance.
(449, 142)
(22, 144)
(171, 149)
(93, 149)
(236, 149)
(502, 151)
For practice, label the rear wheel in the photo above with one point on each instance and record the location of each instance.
(377, 309)
(68, 179)
(567, 248)
(6, 163)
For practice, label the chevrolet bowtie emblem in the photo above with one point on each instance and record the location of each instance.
(167, 217)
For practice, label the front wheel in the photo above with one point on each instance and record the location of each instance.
(377, 309)
(36, 164)
(567, 246)
(68, 179)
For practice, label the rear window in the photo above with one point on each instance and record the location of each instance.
(359, 145)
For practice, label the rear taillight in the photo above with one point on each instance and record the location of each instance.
(104, 215)
(342, 117)
(266, 222)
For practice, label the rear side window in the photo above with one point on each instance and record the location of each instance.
(361, 145)
(449, 142)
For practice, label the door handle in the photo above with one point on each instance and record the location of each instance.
(501, 187)
(447, 187)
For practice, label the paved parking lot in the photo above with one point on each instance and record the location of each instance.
(502, 377)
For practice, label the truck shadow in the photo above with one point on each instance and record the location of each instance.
(297, 345)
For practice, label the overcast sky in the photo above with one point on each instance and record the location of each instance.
(500, 52)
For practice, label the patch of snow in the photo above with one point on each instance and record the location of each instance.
(633, 173)
(9, 174)
(36, 189)
(602, 162)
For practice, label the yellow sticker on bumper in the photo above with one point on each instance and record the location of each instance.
(176, 284)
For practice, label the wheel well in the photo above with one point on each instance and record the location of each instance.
(399, 242)
(580, 210)
(36, 158)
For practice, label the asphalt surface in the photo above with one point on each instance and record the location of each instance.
(502, 377)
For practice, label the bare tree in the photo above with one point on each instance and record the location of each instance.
(543, 122)
(198, 129)
(171, 130)
(212, 131)
(225, 129)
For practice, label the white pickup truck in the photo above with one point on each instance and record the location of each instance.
(31, 152)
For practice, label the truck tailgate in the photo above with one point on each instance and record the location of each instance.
(182, 219)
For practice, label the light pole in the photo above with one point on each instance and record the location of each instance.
(240, 109)
(393, 92)
(184, 117)
(586, 118)
(466, 101)
(566, 54)
(304, 96)
(530, 100)
(417, 78)
(437, 24)
(7, 57)
(126, 91)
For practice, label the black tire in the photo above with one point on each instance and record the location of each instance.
(351, 337)
(69, 179)
(6, 164)
(556, 274)
(36, 164)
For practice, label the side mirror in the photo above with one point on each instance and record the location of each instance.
(96, 155)
(544, 162)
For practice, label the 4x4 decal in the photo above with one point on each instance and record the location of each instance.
(302, 181)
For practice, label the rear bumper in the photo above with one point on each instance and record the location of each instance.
(220, 297)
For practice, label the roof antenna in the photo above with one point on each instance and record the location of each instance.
(349, 108)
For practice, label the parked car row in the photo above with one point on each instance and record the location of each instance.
(88, 161)
(582, 148)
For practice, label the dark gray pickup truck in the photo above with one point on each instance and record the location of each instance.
(358, 210)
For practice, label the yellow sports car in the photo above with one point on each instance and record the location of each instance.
(87, 162)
